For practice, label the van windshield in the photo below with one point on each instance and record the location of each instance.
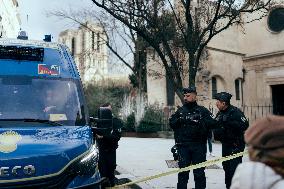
(34, 98)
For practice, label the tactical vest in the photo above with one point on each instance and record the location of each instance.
(230, 135)
(192, 129)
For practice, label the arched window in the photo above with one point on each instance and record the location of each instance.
(98, 42)
(83, 42)
(276, 19)
(237, 89)
(73, 46)
(214, 87)
(93, 40)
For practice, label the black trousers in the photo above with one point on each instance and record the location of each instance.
(231, 165)
(192, 154)
(107, 165)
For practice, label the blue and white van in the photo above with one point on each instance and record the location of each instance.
(45, 137)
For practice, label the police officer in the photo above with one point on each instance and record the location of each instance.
(232, 124)
(107, 150)
(191, 124)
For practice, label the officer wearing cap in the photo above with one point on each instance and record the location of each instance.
(191, 124)
(232, 125)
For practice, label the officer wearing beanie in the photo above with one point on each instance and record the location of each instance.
(232, 125)
(191, 124)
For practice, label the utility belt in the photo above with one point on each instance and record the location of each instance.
(191, 140)
(190, 124)
(190, 143)
(191, 134)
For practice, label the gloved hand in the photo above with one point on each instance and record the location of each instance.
(181, 118)
(219, 118)
(225, 118)
(195, 118)
(220, 123)
(174, 152)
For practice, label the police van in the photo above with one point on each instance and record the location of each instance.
(45, 137)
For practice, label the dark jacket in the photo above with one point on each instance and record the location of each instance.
(233, 124)
(191, 123)
(110, 142)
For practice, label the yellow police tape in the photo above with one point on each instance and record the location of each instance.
(189, 168)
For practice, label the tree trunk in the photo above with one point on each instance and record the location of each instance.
(180, 95)
(192, 71)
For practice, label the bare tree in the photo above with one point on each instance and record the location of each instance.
(196, 23)
(117, 33)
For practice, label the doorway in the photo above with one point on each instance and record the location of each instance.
(278, 99)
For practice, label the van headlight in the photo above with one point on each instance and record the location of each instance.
(88, 164)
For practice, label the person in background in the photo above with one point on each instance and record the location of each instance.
(209, 141)
(265, 170)
(107, 149)
(49, 102)
(232, 125)
(191, 124)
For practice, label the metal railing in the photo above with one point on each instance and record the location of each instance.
(255, 112)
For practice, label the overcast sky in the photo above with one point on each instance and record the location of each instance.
(34, 16)
(35, 21)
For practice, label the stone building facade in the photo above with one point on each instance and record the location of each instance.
(9, 18)
(246, 61)
(89, 50)
(264, 62)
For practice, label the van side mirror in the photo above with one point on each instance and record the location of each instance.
(93, 119)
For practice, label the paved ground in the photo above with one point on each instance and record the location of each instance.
(142, 157)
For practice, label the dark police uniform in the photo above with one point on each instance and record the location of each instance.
(232, 124)
(191, 124)
(107, 151)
